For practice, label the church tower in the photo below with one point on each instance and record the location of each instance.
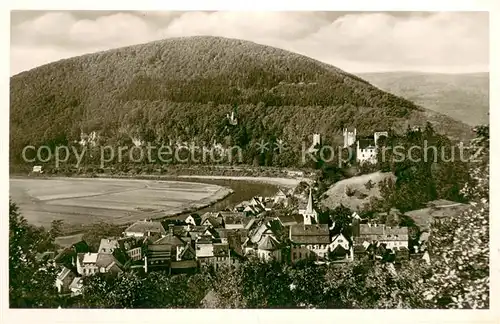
(310, 215)
(349, 137)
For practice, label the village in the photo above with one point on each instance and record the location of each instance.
(261, 228)
(288, 228)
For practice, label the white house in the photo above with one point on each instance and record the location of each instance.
(86, 264)
(341, 243)
(309, 241)
(190, 220)
(366, 148)
(281, 198)
(366, 152)
(341, 240)
(392, 237)
(204, 247)
(91, 263)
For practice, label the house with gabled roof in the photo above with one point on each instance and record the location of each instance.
(185, 260)
(107, 263)
(176, 243)
(281, 198)
(390, 236)
(235, 220)
(289, 220)
(108, 245)
(265, 227)
(64, 279)
(196, 231)
(221, 255)
(212, 219)
(92, 263)
(341, 246)
(145, 228)
(269, 248)
(204, 249)
(188, 219)
(132, 247)
(257, 202)
(309, 241)
(157, 256)
(253, 209)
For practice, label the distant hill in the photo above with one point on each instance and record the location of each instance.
(182, 88)
(464, 97)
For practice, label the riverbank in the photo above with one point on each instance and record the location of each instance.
(282, 182)
(239, 189)
(134, 170)
(79, 200)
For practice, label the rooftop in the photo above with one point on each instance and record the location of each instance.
(221, 249)
(366, 143)
(107, 245)
(170, 239)
(77, 283)
(310, 234)
(268, 243)
(64, 272)
(90, 257)
(146, 226)
(381, 229)
(105, 260)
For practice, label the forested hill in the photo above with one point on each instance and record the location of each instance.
(182, 88)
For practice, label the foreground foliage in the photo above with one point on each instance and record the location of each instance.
(31, 282)
(460, 244)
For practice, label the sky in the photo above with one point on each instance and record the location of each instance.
(443, 42)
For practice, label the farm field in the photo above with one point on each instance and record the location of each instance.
(118, 201)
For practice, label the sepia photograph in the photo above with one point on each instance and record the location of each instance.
(249, 159)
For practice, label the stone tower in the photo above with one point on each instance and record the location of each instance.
(349, 137)
(316, 139)
(377, 135)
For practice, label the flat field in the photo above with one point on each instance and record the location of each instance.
(118, 201)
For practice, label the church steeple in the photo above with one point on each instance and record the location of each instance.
(310, 215)
(309, 208)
